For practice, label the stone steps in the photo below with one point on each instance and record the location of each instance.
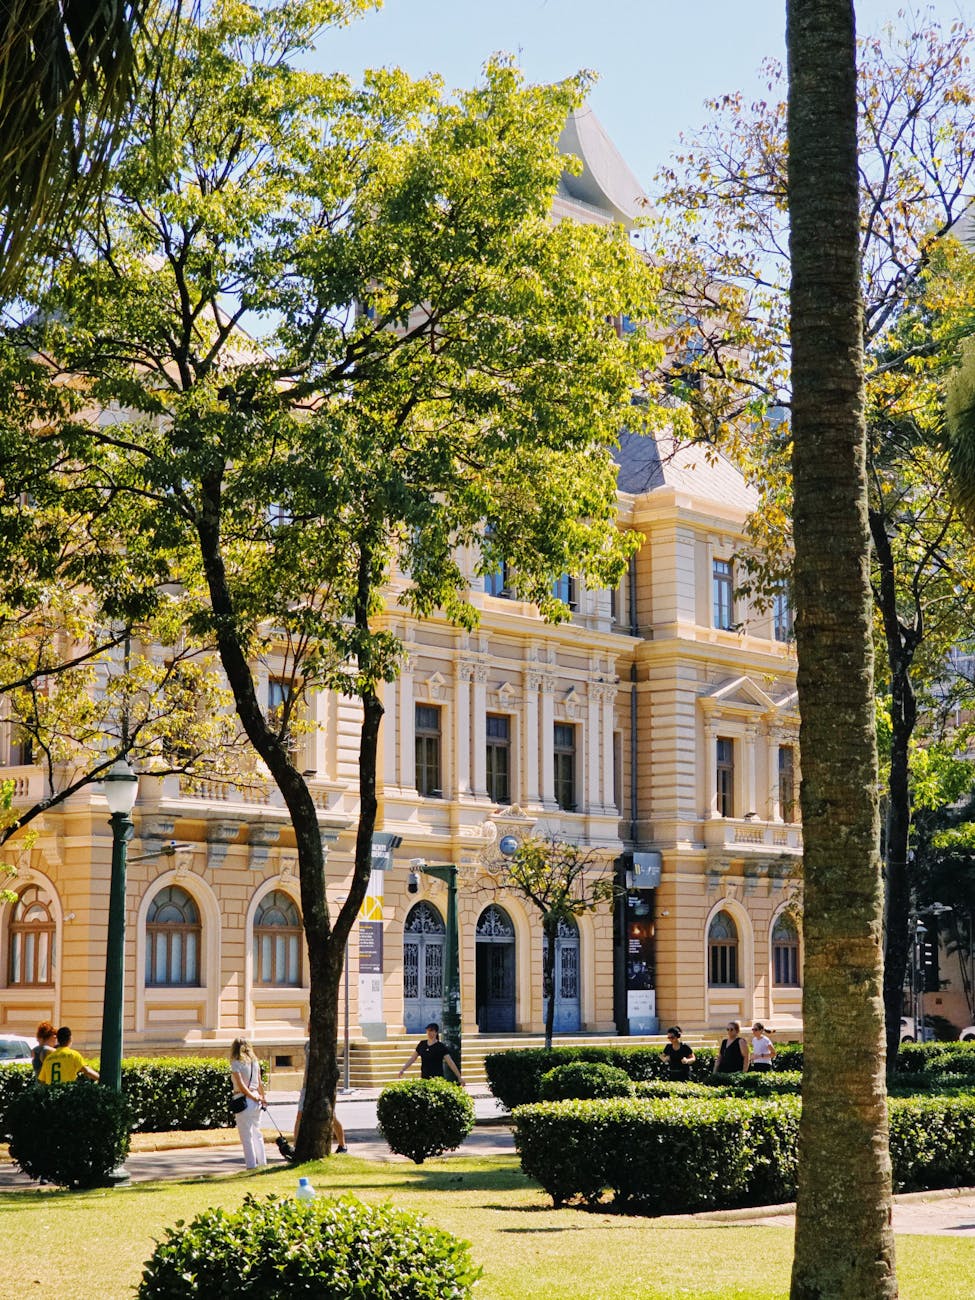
(374, 1064)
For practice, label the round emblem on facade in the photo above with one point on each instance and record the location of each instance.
(508, 845)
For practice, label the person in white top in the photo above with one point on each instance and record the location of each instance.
(763, 1049)
(245, 1075)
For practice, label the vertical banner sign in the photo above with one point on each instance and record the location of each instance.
(371, 1018)
(641, 995)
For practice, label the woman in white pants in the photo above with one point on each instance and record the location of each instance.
(245, 1075)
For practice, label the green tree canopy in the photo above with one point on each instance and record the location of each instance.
(344, 343)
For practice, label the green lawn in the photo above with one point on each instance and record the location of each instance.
(93, 1244)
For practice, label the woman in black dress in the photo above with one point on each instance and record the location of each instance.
(733, 1053)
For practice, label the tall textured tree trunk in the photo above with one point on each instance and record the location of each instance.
(844, 1240)
(325, 942)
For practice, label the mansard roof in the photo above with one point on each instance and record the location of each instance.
(649, 463)
(605, 181)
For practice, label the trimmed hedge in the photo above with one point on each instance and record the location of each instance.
(676, 1088)
(163, 1093)
(75, 1134)
(934, 1058)
(515, 1076)
(763, 1084)
(424, 1117)
(584, 1080)
(673, 1156)
(178, 1092)
(682, 1154)
(932, 1141)
(14, 1081)
(283, 1248)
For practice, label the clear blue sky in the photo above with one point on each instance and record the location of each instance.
(657, 62)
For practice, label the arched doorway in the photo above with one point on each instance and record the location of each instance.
(423, 939)
(568, 1016)
(495, 971)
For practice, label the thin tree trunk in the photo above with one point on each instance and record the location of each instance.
(844, 1242)
(548, 979)
(902, 642)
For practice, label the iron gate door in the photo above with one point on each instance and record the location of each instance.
(423, 940)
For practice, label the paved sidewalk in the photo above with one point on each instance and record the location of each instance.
(949, 1212)
(356, 1110)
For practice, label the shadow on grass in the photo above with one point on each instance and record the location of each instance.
(502, 1174)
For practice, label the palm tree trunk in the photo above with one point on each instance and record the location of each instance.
(844, 1241)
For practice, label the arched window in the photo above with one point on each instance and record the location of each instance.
(277, 941)
(785, 952)
(172, 940)
(31, 939)
(723, 951)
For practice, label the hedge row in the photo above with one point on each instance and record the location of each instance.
(163, 1093)
(672, 1156)
(515, 1076)
(683, 1154)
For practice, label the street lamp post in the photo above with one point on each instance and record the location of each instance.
(920, 930)
(450, 1025)
(119, 786)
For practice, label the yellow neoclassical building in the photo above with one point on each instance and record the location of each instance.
(657, 727)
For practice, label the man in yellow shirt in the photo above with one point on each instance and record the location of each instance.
(64, 1064)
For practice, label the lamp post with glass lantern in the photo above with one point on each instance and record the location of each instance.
(119, 787)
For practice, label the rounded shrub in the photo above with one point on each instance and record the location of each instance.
(277, 1248)
(74, 1134)
(424, 1117)
(584, 1080)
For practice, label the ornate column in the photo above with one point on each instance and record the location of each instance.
(711, 767)
(407, 727)
(547, 740)
(463, 671)
(593, 797)
(317, 742)
(530, 784)
(391, 722)
(750, 784)
(607, 697)
(775, 801)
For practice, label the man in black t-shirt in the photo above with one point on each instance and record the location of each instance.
(431, 1054)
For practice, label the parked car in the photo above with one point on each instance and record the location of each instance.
(967, 1035)
(909, 1036)
(14, 1050)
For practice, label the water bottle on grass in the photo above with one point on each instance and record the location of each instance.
(305, 1190)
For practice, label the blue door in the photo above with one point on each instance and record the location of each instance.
(568, 1014)
(423, 940)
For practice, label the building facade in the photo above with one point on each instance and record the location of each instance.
(657, 727)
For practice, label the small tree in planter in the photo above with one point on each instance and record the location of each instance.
(562, 881)
(424, 1117)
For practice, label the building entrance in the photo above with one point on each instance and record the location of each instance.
(495, 971)
(568, 1017)
(423, 940)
